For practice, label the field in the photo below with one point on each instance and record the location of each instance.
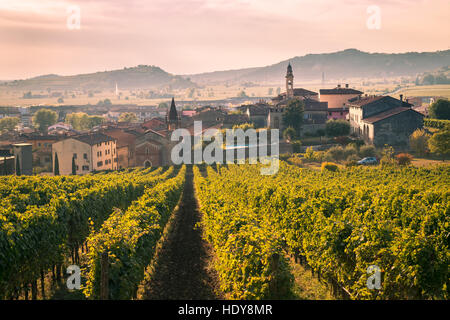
(9, 97)
(225, 231)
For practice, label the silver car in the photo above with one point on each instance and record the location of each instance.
(368, 161)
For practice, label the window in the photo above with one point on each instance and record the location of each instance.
(85, 156)
(85, 168)
(74, 155)
(77, 168)
(39, 144)
(100, 163)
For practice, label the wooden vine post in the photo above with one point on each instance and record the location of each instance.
(104, 265)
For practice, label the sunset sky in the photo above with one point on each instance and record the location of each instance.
(192, 36)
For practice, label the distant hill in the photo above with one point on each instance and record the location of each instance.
(141, 76)
(350, 63)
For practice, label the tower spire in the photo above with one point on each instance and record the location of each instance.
(172, 117)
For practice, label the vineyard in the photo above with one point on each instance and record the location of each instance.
(339, 223)
(46, 221)
(226, 231)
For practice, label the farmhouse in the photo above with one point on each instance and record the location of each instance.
(381, 120)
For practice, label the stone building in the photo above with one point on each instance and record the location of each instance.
(381, 120)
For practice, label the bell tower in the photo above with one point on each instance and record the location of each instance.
(289, 82)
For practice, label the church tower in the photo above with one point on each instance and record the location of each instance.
(289, 82)
(172, 119)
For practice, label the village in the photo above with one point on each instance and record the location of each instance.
(84, 139)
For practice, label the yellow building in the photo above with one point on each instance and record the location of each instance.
(91, 152)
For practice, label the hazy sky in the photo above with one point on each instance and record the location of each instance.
(191, 36)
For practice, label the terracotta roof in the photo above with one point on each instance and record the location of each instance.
(340, 91)
(123, 138)
(389, 113)
(365, 100)
(153, 124)
(298, 92)
(93, 138)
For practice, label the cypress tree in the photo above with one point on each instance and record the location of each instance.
(56, 169)
(74, 168)
(18, 172)
(4, 172)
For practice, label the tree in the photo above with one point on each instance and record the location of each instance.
(367, 151)
(419, 141)
(293, 115)
(163, 106)
(128, 117)
(289, 133)
(440, 110)
(18, 171)
(82, 121)
(242, 94)
(44, 118)
(244, 126)
(74, 167)
(439, 143)
(337, 128)
(95, 121)
(56, 169)
(9, 123)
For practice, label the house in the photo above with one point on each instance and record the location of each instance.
(381, 120)
(60, 127)
(91, 152)
(126, 146)
(338, 97)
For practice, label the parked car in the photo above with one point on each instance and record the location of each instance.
(368, 161)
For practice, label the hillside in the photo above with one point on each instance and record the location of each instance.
(350, 63)
(141, 76)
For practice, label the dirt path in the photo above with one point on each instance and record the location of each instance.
(182, 270)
